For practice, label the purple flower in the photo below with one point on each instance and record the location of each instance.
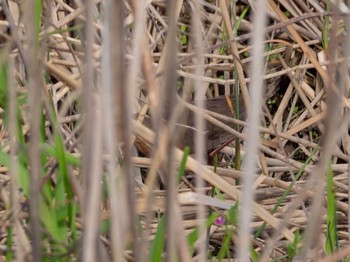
(220, 221)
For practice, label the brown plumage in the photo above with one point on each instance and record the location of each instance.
(214, 135)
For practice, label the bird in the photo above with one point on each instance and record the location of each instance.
(214, 136)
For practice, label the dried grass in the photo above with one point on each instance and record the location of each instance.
(97, 70)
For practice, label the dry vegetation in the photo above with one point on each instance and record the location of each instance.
(125, 130)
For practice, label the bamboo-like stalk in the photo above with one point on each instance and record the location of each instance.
(168, 94)
(251, 157)
(92, 152)
(34, 86)
(116, 182)
(200, 144)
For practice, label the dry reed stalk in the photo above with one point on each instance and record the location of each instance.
(200, 143)
(168, 93)
(113, 73)
(32, 54)
(247, 197)
(92, 151)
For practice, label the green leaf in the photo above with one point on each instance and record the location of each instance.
(183, 37)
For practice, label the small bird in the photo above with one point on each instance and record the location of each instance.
(214, 135)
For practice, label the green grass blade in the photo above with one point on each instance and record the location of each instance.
(4, 88)
(239, 20)
(9, 241)
(225, 249)
(232, 215)
(193, 236)
(286, 192)
(331, 233)
(292, 248)
(49, 220)
(325, 41)
(73, 226)
(182, 166)
(38, 12)
(158, 242)
(254, 255)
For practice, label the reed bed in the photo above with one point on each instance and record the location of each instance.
(174, 130)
